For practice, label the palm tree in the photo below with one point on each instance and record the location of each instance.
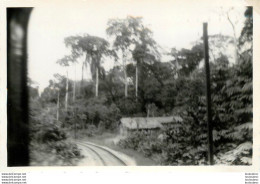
(96, 49)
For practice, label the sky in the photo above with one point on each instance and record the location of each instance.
(172, 26)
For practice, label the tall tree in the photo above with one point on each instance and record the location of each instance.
(219, 46)
(246, 37)
(145, 51)
(233, 18)
(65, 62)
(96, 49)
(125, 33)
(186, 60)
(76, 52)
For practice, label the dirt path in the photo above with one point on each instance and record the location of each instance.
(96, 155)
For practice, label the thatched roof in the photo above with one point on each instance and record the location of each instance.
(148, 123)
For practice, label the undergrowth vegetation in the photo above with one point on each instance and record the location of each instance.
(186, 142)
(49, 144)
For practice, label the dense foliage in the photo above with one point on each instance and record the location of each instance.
(49, 144)
(186, 142)
(149, 87)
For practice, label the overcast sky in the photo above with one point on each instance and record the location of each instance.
(173, 26)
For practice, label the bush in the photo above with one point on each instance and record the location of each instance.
(91, 130)
(44, 127)
(56, 153)
(144, 143)
(50, 133)
(66, 150)
(132, 141)
(49, 144)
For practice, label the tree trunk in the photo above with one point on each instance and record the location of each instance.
(96, 81)
(66, 96)
(125, 76)
(74, 84)
(136, 81)
(58, 105)
(75, 126)
(82, 75)
(126, 85)
(235, 38)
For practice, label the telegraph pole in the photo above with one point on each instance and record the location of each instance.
(208, 94)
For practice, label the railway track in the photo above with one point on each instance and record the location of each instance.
(106, 157)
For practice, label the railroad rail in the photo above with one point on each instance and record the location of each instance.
(98, 151)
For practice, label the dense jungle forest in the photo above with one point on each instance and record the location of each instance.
(140, 84)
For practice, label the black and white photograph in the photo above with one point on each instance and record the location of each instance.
(129, 84)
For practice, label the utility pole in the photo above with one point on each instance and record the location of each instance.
(208, 94)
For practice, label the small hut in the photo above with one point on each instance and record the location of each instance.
(169, 123)
(145, 124)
